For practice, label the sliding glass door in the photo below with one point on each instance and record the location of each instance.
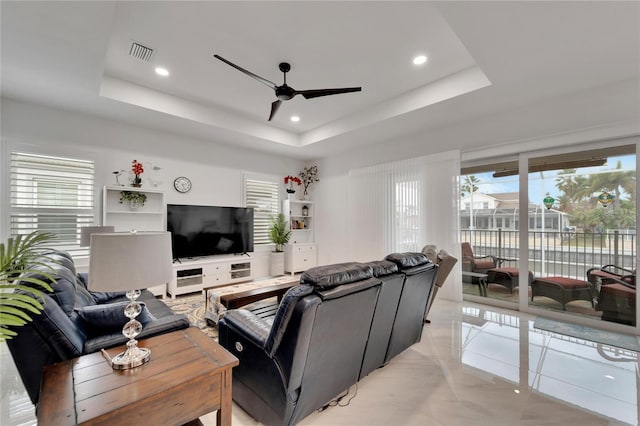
(578, 233)
(489, 232)
(582, 233)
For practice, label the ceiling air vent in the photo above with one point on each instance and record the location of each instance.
(141, 52)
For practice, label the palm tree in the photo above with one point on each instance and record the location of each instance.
(469, 185)
(571, 186)
(615, 182)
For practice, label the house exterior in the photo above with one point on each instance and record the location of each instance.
(500, 211)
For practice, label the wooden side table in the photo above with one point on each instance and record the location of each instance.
(188, 376)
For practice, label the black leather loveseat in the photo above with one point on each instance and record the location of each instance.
(338, 325)
(60, 332)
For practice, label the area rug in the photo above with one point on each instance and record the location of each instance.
(619, 340)
(193, 308)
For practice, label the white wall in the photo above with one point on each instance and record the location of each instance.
(518, 130)
(344, 236)
(215, 169)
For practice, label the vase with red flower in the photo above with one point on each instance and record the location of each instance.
(291, 180)
(137, 170)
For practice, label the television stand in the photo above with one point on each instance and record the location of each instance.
(194, 275)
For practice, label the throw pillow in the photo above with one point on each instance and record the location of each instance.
(109, 317)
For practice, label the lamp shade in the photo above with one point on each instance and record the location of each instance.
(130, 261)
(85, 233)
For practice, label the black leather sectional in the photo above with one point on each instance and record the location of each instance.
(342, 322)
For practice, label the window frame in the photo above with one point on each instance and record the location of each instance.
(60, 151)
(266, 178)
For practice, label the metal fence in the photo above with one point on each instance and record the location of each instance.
(553, 253)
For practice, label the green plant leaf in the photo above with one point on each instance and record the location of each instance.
(30, 304)
(23, 260)
(6, 333)
(9, 319)
(18, 313)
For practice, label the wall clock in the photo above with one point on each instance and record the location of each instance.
(182, 184)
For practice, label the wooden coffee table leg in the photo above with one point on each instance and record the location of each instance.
(223, 416)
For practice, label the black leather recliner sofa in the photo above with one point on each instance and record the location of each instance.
(329, 331)
(420, 275)
(384, 316)
(59, 333)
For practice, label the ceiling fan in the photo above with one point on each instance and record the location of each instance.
(284, 92)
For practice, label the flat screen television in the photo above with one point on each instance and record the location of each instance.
(209, 230)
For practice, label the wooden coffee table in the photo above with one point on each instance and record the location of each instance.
(188, 376)
(220, 298)
(237, 300)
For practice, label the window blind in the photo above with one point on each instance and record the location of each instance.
(263, 196)
(403, 206)
(51, 194)
(386, 197)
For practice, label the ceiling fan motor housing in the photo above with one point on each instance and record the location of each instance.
(284, 66)
(284, 92)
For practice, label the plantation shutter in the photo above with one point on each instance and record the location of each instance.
(51, 194)
(263, 196)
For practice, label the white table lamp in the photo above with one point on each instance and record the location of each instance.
(130, 261)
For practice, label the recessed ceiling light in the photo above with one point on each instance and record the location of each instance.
(419, 60)
(608, 376)
(162, 71)
(295, 118)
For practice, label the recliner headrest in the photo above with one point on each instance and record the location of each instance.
(57, 265)
(383, 268)
(329, 276)
(407, 260)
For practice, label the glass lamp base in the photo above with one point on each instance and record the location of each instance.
(131, 358)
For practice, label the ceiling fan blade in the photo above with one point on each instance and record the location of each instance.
(309, 94)
(249, 73)
(275, 106)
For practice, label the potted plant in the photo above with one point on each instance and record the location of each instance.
(17, 257)
(290, 180)
(134, 198)
(137, 169)
(308, 175)
(279, 234)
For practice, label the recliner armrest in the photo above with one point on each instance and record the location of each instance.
(250, 325)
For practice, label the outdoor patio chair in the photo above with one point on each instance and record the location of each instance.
(617, 300)
(607, 274)
(478, 264)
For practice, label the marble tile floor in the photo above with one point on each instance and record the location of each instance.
(475, 365)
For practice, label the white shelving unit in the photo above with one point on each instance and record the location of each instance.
(301, 252)
(197, 274)
(150, 217)
(301, 225)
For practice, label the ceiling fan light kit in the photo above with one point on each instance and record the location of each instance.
(285, 92)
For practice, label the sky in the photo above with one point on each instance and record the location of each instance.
(538, 186)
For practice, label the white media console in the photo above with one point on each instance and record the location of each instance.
(192, 275)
